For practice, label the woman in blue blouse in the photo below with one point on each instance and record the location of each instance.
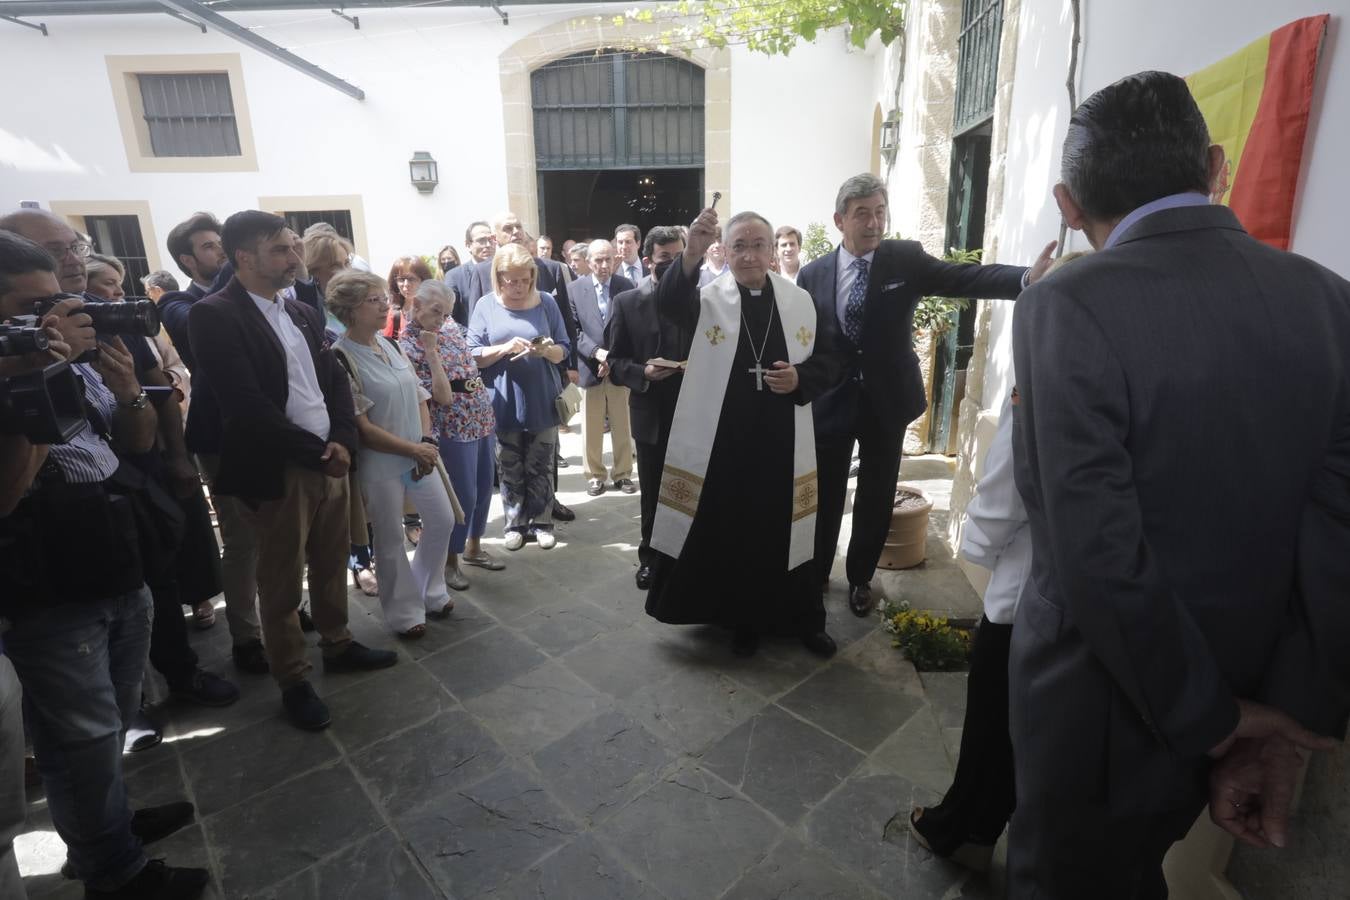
(517, 336)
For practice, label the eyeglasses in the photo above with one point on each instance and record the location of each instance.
(402, 278)
(82, 249)
(757, 247)
(380, 300)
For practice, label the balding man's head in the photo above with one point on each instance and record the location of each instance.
(507, 227)
(57, 238)
(600, 255)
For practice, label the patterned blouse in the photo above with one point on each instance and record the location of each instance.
(470, 416)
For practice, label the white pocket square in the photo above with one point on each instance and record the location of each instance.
(891, 285)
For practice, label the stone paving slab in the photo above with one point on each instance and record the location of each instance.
(551, 741)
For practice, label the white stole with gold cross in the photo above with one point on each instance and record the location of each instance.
(699, 409)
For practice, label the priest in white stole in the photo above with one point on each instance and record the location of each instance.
(735, 521)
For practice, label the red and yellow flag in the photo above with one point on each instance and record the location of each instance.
(1256, 104)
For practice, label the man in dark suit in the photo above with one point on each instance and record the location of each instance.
(551, 279)
(601, 399)
(628, 264)
(479, 243)
(289, 434)
(634, 335)
(866, 292)
(1180, 613)
(195, 246)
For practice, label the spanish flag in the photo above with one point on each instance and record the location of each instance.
(1256, 104)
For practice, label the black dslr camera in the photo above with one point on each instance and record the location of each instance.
(131, 318)
(20, 339)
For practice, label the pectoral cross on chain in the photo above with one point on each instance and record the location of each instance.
(758, 371)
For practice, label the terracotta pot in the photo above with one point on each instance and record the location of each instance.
(906, 540)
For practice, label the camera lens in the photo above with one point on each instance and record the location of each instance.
(18, 340)
(134, 317)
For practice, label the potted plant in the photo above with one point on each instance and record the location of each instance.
(906, 541)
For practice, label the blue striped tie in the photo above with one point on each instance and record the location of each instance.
(853, 309)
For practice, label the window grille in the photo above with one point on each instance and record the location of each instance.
(120, 236)
(612, 110)
(190, 114)
(340, 219)
(977, 62)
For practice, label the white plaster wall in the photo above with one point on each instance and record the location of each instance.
(800, 125)
(1119, 39)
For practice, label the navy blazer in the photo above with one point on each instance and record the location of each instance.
(591, 325)
(239, 352)
(203, 429)
(900, 276)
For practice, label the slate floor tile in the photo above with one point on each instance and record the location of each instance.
(595, 768)
(693, 708)
(393, 700)
(794, 871)
(853, 704)
(916, 751)
(377, 867)
(412, 767)
(558, 629)
(780, 762)
(537, 707)
(582, 870)
(245, 762)
(476, 839)
(467, 620)
(272, 836)
(691, 836)
(853, 826)
(622, 662)
(482, 663)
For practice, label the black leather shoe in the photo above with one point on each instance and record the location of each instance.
(563, 513)
(744, 642)
(304, 708)
(359, 658)
(820, 643)
(250, 658)
(307, 621)
(860, 600)
(155, 822)
(204, 689)
(626, 485)
(644, 577)
(156, 881)
(562, 461)
(595, 487)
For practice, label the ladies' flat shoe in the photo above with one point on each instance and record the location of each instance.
(456, 580)
(442, 613)
(484, 560)
(515, 540)
(366, 581)
(547, 539)
(970, 855)
(413, 633)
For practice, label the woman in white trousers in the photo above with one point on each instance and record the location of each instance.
(398, 458)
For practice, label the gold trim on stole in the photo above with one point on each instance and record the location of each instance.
(680, 490)
(805, 496)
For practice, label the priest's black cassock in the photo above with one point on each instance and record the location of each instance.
(733, 568)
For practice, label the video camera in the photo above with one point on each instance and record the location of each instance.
(46, 406)
(20, 340)
(130, 318)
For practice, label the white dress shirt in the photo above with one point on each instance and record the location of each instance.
(844, 278)
(631, 271)
(305, 405)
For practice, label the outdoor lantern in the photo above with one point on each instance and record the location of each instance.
(422, 171)
(890, 136)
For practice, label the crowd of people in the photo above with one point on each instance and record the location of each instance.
(331, 417)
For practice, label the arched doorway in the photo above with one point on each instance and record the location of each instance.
(618, 137)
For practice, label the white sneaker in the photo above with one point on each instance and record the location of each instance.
(547, 539)
(515, 540)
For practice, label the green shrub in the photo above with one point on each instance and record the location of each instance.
(928, 641)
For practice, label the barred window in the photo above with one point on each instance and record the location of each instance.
(190, 114)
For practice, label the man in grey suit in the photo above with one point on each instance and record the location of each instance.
(1183, 448)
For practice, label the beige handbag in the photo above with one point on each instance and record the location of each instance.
(568, 402)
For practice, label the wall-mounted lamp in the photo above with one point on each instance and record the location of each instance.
(890, 136)
(422, 171)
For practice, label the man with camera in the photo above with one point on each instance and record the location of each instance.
(76, 603)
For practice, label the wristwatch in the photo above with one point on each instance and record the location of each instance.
(140, 402)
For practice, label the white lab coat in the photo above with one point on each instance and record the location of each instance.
(996, 534)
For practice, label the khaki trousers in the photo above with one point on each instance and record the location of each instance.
(604, 399)
(238, 559)
(310, 523)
